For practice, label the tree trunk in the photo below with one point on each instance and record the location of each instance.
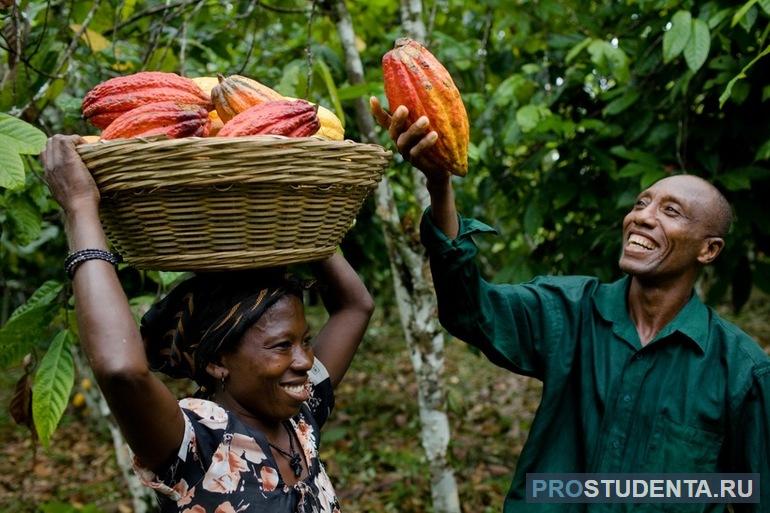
(142, 498)
(414, 296)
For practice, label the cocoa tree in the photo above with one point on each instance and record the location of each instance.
(413, 287)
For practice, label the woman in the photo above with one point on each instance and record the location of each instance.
(252, 444)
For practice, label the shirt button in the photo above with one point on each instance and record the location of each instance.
(615, 444)
(627, 398)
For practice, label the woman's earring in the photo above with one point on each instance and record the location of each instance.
(223, 382)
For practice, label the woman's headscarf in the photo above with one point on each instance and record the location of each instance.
(207, 315)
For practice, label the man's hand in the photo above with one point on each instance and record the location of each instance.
(67, 177)
(413, 141)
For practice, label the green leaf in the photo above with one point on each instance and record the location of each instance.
(25, 137)
(44, 295)
(634, 169)
(740, 13)
(21, 333)
(675, 39)
(748, 21)
(26, 219)
(533, 217)
(11, 165)
(729, 88)
(354, 91)
(53, 383)
(765, 5)
(763, 153)
(620, 104)
(575, 50)
(331, 87)
(719, 17)
(528, 117)
(697, 49)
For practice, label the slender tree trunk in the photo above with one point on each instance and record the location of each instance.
(414, 296)
(142, 498)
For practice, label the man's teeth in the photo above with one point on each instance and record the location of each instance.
(294, 389)
(641, 241)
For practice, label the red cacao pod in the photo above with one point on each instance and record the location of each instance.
(109, 100)
(415, 79)
(235, 94)
(172, 119)
(282, 117)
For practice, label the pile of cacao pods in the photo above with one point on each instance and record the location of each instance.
(152, 103)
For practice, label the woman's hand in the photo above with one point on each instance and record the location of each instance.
(413, 141)
(67, 177)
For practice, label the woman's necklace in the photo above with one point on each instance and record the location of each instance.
(295, 460)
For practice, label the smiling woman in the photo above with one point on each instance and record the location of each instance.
(248, 441)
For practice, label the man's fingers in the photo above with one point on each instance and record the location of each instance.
(382, 117)
(398, 123)
(425, 143)
(413, 135)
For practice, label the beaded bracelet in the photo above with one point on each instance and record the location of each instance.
(74, 259)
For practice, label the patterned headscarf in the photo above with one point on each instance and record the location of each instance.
(207, 315)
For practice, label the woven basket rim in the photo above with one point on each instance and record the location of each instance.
(149, 163)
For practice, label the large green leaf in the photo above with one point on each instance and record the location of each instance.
(697, 49)
(44, 295)
(26, 219)
(25, 330)
(24, 137)
(675, 39)
(11, 165)
(53, 383)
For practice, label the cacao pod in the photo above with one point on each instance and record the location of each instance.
(331, 126)
(281, 117)
(171, 119)
(235, 94)
(415, 79)
(207, 84)
(107, 101)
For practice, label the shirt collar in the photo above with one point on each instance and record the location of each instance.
(611, 302)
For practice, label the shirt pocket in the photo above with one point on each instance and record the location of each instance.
(676, 447)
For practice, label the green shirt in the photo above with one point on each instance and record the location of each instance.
(694, 399)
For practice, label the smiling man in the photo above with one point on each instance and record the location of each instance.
(639, 376)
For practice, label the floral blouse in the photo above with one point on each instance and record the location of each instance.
(223, 466)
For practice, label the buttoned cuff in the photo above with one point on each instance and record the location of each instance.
(459, 249)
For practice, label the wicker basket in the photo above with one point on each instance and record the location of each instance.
(230, 203)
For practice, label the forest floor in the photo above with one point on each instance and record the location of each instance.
(370, 445)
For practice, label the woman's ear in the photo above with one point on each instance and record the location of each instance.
(217, 371)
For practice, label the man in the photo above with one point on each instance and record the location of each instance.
(638, 375)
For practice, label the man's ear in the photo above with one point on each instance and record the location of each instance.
(217, 371)
(712, 246)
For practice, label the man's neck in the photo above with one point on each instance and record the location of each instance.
(653, 305)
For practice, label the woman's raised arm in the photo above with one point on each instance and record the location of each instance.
(350, 307)
(145, 409)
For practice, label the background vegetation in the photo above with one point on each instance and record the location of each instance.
(574, 106)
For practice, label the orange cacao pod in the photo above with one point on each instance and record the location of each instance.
(235, 94)
(109, 100)
(281, 117)
(415, 79)
(172, 119)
